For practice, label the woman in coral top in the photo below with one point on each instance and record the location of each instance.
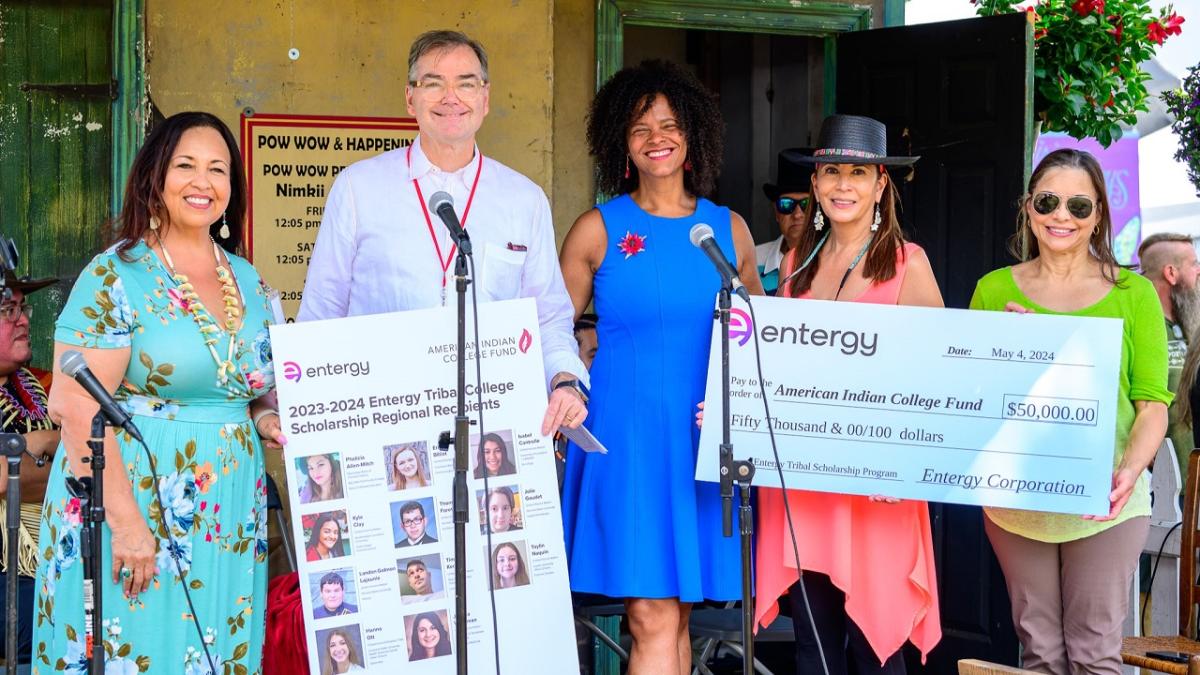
(867, 561)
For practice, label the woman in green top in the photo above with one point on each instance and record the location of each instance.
(1069, 576)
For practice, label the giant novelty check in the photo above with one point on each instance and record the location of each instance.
(967, 407)
(363, 401)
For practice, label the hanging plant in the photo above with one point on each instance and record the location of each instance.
(1184, 106)
(1088, 57)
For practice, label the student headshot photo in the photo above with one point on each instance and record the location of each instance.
(421, 579)
(508, 565)
(499, 509)
(494, 456)
(332, 593)
(328, 535)
(427, 635)
(414, 522)
(407, 465)
(340, 650)
(319, 477)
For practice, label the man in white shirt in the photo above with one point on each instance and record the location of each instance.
(380, 249)
(789, 197)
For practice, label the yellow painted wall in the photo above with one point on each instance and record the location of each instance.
(225, 55)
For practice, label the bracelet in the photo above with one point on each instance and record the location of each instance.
(254, 420)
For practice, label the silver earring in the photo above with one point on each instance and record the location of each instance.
(225, 226)
(154, 222)
(818, 220)
(878, 219)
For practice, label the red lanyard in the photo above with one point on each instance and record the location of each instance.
(445, 262)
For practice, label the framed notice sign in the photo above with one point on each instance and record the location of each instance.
(291, 162)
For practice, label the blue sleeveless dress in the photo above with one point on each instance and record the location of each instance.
(637, 523)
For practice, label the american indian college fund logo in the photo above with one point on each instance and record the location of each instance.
(525, 341)
(292, 371)
(740, 326)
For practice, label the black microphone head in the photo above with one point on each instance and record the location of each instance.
(699, 233)
(71, 362)
(440, 200)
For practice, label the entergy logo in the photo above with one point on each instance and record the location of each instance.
(740, 326)
(292, 371)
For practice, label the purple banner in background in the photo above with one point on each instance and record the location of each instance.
(1120, 164)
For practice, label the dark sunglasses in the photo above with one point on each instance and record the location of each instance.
(786, 205)
(1078, 206)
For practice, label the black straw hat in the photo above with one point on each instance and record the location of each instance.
(25, 284)
(792, 176)
(850, 139)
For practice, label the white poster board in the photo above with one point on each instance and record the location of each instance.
(362, 394)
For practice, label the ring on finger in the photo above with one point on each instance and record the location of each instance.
(125, 573)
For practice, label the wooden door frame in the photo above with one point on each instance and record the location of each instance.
(130, 108)
(822, 18)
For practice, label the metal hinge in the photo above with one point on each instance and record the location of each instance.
(108, 90)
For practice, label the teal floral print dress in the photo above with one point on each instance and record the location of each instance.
(210, 467)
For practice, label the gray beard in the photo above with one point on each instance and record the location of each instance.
(1186, 305)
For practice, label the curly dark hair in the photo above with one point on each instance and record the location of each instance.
(627, 96)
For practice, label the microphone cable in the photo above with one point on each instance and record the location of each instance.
(762, 388)
(176, 553)
(487, 526)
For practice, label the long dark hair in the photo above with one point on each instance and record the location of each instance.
(879, 264)
(143, 188)
(1024, 246)
(335, 479)
(443, 645)
(506, 464)
(328, 667)
(522, 576)
(315, 535)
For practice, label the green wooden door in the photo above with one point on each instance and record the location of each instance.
(56, 98)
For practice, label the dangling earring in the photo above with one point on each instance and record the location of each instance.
(878, 219)
(818, 220)
(687, 165)
(626, 166)
(154, 222)
(225, 226)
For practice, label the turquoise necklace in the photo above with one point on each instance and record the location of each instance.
(817, 249)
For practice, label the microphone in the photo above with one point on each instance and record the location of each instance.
(73, 365)
(702, 238)
(442, 204)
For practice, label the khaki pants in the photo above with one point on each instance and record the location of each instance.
(1069, 600)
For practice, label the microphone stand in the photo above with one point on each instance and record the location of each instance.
(741, 472)
(461, 437)
(90, 493)
(14, 447)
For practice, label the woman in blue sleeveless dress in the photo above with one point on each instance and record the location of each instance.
(638, 525)
(177, 326)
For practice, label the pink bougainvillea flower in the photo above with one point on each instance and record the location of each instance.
(631, 244)
(1156, 32)
(1173, 23)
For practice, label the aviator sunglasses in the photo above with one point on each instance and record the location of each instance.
(1078, 206)
(786, 205)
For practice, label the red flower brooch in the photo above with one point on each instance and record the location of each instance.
(631, 244)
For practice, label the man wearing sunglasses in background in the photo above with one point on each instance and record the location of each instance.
(23, 411)
(789, 197)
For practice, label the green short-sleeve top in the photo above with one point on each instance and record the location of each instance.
(1143, 377)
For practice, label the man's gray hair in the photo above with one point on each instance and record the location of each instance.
(1153, 260)
(438, 40)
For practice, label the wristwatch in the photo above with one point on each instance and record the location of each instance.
(576, 385)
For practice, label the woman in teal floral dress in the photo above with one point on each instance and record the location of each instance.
(176, 326)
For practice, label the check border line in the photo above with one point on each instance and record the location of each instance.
(803, 401)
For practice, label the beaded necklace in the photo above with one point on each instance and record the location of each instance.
(22, 403)
(204, 320)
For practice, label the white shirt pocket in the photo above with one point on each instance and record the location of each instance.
(501, 274)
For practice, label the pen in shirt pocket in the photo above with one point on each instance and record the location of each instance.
(517, 247)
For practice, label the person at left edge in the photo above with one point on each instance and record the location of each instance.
(380, 249)
(174, 323)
